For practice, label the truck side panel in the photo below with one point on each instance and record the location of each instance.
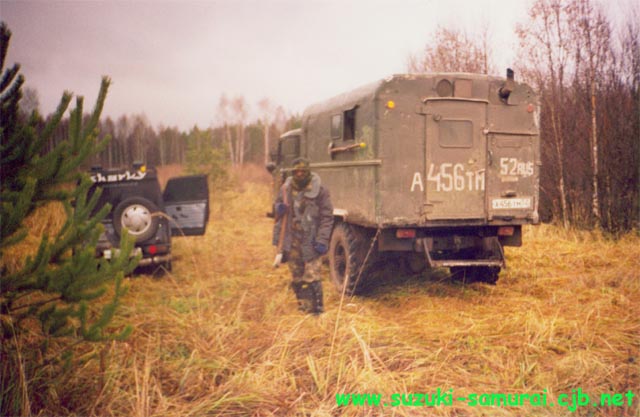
(429, 151)
(341, 146)
(401, 142)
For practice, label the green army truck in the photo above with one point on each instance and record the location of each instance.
(431, 170)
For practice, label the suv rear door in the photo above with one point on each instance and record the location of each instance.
(186, 201)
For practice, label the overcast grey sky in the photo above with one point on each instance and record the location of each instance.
(172, 60)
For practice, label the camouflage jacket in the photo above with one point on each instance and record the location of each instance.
(310, 215)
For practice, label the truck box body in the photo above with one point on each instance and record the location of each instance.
(451, 156)
(464, 159)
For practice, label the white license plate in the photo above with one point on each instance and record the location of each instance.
(108, 253)
(511, 203)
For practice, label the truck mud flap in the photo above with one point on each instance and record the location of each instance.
(492, 247)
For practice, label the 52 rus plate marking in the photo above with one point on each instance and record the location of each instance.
(515, 167)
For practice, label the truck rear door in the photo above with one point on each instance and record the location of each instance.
(456, 153)
(186, 201)
(511, 178)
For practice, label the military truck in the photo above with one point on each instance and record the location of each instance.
(432, 170)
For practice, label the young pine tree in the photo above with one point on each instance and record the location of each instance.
(55, 291)
(203, 158)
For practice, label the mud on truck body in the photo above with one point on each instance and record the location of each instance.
(433, 170)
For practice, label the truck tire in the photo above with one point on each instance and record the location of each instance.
(136, 215)
(347, 252)
(488, 274)
(413, 263)
(469, 274)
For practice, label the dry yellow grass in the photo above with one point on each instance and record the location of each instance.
(221, 335)
(45, 220)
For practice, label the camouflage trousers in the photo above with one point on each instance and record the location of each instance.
(302, 271)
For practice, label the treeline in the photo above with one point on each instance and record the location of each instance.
(588, 77)
(238, 140)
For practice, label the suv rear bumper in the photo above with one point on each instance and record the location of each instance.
(146, 260)
(156, 260)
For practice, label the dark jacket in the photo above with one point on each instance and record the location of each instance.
(316, 218)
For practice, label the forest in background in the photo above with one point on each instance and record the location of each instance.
(585, 68)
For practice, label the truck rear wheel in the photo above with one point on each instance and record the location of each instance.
(413, 263)
(347, 252)
(469, 274)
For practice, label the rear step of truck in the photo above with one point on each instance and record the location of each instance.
(492, 247)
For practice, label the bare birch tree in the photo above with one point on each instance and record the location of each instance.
(545, 47)
(452, 50)
(267, 109)
(124, 130)
(223, 117)
(241, 111)
(592, 41)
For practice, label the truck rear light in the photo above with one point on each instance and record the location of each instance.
(405, 233)
(152, 249)
(506, 231)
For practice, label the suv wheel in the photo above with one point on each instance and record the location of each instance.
(136, 214)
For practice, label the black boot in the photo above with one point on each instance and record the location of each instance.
(304, 295)
(317, 302)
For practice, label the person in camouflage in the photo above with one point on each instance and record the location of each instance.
(306, 205)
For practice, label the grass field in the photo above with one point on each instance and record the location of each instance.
(221, 334)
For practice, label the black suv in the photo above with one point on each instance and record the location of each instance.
(149, 215)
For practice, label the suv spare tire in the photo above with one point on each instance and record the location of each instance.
(136, 214)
